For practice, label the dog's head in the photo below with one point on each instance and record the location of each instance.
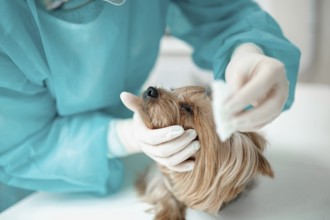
(222, 169)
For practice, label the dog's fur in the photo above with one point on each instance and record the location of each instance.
(222, 169)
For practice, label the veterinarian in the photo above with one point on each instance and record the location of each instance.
(63, 66)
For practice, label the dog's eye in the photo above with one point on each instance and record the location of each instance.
(187, 108)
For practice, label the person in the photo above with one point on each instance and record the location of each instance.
(63, 66)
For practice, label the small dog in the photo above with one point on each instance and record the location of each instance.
(222, 169)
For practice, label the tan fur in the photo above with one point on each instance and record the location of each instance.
(222, 169)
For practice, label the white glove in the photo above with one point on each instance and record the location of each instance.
(257, 80)
(170, 146)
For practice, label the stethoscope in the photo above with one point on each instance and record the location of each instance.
(73, 4)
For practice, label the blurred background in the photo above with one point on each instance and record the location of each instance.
(306, 23)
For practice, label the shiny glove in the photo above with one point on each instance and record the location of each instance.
(170, 146)
(256, 81)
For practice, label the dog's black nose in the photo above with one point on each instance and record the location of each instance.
(151, 92)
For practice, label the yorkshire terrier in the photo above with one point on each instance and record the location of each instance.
(222, 169)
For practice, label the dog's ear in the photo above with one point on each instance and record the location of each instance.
(260, 143)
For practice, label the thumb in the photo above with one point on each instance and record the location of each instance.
(130, 100)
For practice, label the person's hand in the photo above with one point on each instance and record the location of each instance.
(254, 80)
(170, 146)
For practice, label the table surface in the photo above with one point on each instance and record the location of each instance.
(299, 152)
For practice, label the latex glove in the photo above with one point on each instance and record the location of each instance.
(257, 80)
(170, 146)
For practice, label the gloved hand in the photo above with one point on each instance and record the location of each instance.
(257, 80)
(170, 146)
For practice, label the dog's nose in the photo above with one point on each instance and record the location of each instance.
(151, 92)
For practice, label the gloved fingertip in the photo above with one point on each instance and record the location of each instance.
(191, 132)
(124, 96)
(232, 108)
(129, 100)
(189, 166)
(196, 146)
(176, 131)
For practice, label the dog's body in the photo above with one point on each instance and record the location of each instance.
(222, 169)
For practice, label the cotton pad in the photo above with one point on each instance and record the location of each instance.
(220, 92)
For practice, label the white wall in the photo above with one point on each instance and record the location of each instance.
(319, 71)
(306, 23)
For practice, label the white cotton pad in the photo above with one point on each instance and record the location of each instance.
(220, 92)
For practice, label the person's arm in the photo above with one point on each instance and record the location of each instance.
(41, 150)
(215, 28)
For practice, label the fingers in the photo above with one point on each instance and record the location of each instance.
(184, 154)
(130, 101)
(255, 80)
(172, 147)
(155, 136)
(262, 114)
(236, 76)
(174, 154)
(178, 162)
(259, 85)
(185, 166)
(239, 69)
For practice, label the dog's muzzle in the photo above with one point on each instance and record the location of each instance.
(151, 93)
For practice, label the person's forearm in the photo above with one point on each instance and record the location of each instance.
(67, 155)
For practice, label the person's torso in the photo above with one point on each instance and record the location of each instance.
(88, 63)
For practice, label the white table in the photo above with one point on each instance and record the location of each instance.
(299, 152)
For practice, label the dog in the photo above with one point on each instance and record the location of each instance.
(222, 169)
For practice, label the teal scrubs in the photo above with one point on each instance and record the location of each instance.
(61, 74)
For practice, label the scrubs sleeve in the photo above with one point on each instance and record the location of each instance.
(214, 28)
(41, 150)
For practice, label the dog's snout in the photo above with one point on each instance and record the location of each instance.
(151, 92)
